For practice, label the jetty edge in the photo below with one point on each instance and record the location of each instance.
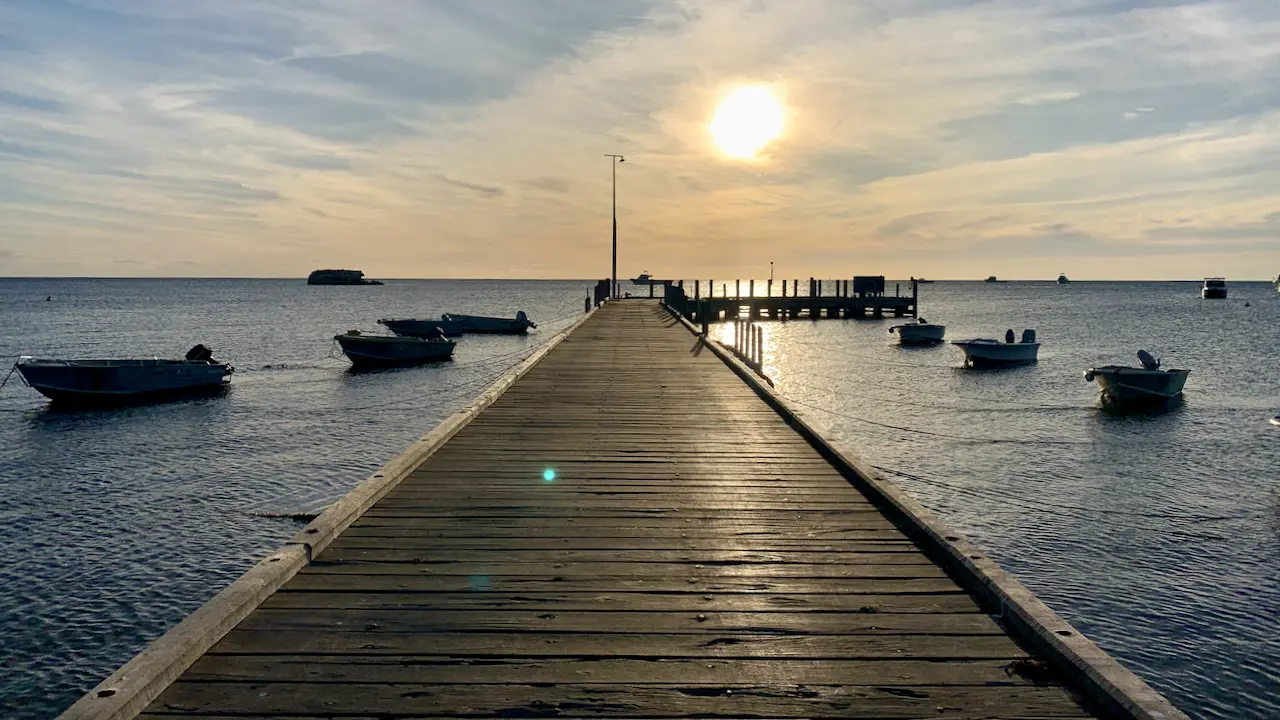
(130, 689)
(1102, 679)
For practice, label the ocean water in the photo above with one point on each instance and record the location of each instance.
(1159, 537)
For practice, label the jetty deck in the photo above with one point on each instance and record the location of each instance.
(629, 530)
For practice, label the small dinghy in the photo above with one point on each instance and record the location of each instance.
(985, 352)
(428, 329)
(375, 351)
(920, 332)
(492, 325)
(1146, 386)
(124, 381)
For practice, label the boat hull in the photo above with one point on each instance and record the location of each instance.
(423, 328)
(491, 325)
(991, 353)
(920, 334)
(382, 352)
(1124, 387)
(89, 382)
(1214, 293)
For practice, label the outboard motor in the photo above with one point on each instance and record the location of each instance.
(1148, 362)
(1028, 336)
(200, 353)
(522, 318)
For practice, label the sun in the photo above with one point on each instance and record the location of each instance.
(746, 121)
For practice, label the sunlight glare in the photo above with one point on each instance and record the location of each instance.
(746, 121)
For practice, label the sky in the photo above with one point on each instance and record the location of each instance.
(1107, 139)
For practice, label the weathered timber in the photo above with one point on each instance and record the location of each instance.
(630, 530)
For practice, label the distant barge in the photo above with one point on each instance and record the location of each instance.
(339, 277)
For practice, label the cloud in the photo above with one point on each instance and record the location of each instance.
(489, 190)
(550, 184)
(253, 138)
(1052, 96)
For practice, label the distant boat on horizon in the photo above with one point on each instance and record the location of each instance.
(992, 279)
(1062, 279)
(645, 278)
(1214, 289)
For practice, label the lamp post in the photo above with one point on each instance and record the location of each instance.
(613, 162)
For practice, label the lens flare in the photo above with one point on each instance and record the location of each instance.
(548, 474)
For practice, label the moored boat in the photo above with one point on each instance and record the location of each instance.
(919, 333)
(124, 381)
(1129, 387)
(645, 278)
(427, 328)
(1214, 289)
(372, 351)
(492, 325)
(985, 352)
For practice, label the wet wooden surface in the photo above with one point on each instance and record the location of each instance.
(692, 556)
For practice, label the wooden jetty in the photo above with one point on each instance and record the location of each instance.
(860, 297)
(629, 524)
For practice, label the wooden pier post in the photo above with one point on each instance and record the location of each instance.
(697, 289)
(769, 288)
(751, 287)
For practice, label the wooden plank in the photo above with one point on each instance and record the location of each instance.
(321, 579)
(772, 700)
(689, 602)
(614, 621)
(622, 570)
(515, 671)
(428, 553)
(627, 645)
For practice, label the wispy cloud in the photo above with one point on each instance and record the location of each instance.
(927, 137)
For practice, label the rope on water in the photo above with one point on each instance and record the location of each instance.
(889, 386)
(6, 377)
(959, 438)
(1042, 506)
(786, 343)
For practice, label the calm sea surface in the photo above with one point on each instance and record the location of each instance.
(1159, 537)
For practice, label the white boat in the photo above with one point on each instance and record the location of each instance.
(428, 328)
(492, 325)
(371, 351)
(1062, 279)
(1214, 289)
(919, 333)
(1129, 386)
(123, 381)
(645, 278)
(985, 352)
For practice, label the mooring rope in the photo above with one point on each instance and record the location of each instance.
(6, 377)
(931, 433)
(1031, 504)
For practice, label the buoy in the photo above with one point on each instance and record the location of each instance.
(1275, 420)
